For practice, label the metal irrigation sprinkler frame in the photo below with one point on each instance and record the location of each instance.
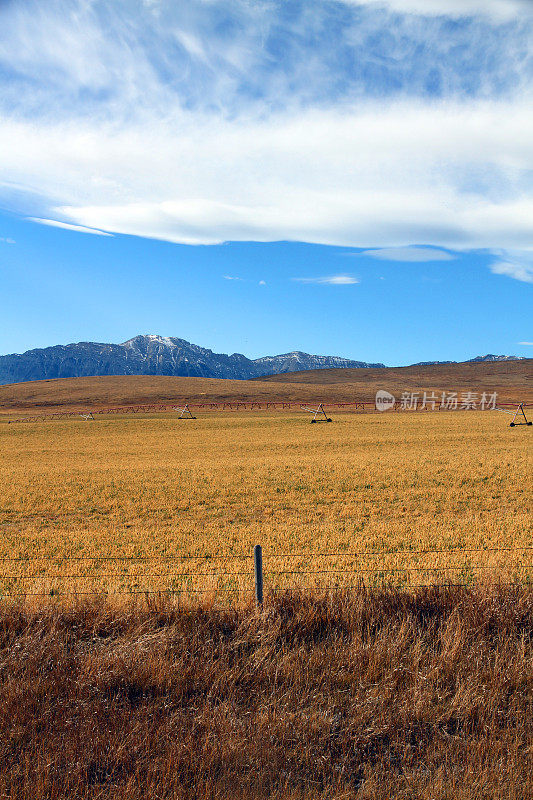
(183, 412)
(318, 412)
(519, 410)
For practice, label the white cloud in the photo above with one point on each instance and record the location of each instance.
(262, 283)
(7, 240)
(499, 9)
(155, 119)
(520, 272)
(332, 280)
(324, 176)
(231, 278)
(413, 254)
(529, 344)
(68, 226)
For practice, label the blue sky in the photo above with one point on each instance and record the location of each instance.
(350, 178)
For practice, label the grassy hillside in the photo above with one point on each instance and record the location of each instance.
(503, 372)
(512, 380)
(99, 392)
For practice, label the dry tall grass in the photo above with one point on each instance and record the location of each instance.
(425, 696)
(158, 488)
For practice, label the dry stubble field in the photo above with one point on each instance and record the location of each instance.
(146, 490)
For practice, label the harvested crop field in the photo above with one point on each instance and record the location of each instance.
(134, 664)
(332, 505)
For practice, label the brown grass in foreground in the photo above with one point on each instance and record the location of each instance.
(363, 695)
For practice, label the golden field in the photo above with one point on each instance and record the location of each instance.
(146, 490)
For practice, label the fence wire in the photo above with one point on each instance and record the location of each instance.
(266, 554)
(237, 582)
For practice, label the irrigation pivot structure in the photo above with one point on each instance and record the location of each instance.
(185, 412)
(58, 415)
(520, 413)
(319, 414)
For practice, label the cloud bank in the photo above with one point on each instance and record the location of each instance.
(452, 176)
(342, 123)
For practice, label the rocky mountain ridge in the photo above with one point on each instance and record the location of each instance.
(163, 355)
(155, 355)
(478, 359)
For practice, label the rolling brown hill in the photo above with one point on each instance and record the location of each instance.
(513, 381)
(122, 390)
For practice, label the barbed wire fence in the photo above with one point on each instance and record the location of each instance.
(233, 575)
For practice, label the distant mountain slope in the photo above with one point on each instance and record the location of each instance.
(491, 357)
(155, 355)
(488, 358)
(512, 380)
(163, 355)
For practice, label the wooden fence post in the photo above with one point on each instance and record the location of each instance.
(258, 570)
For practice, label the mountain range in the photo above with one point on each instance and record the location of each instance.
(155, 355)
(476, 360)
(162, 355)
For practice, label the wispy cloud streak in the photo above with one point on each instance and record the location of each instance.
(68, 226)
(330, 280)
(408, 254)
(521, 269)
(502, 10)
